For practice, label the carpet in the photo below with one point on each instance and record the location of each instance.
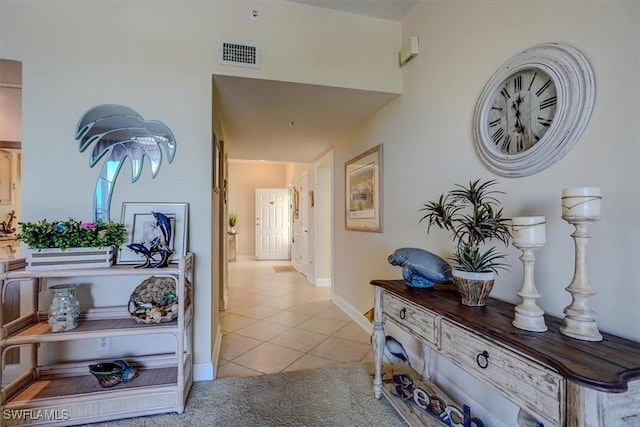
(284, 269)
(338, 397)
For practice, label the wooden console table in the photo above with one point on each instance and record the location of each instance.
(560, 380)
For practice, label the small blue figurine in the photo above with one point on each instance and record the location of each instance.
(128, 372)
(420, 269)
(157, 246)
(163, 222)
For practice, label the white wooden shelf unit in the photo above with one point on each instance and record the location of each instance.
(66, 393)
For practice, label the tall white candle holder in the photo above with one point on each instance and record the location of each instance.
(581, 206)
(528, 235)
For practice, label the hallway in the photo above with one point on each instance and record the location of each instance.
(279, 322)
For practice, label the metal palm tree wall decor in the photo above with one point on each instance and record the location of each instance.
(119, 132)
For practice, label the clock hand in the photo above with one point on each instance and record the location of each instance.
(516, 106)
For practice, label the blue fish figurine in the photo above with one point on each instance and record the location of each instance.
(128, 372)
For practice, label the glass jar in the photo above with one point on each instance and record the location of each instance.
(64, 309)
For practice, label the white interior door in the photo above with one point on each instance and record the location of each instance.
(303, 241)
(272, 224)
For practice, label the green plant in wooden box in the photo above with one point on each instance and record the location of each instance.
(71, 233)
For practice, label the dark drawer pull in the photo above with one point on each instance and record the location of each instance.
(482, 359)
(403, 313)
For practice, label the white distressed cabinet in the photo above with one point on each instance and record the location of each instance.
(66, 393)
(560, 380)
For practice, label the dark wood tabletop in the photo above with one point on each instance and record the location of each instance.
(606, 365)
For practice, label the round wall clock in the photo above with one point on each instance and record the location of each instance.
(533, 109)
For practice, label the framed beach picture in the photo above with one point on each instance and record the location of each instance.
(142, 228)
(363, 190)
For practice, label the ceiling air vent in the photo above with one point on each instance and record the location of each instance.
(240, 54)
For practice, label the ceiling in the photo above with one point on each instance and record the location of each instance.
(294, 122)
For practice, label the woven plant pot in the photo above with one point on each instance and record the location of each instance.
(473, 288)
(154, 301)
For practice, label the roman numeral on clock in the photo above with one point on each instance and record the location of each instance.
(544, 122)
(505, 93)
(543, 88)
(506, 143)
(498, 135)
(549, 102)
(517, 83)
(532, 80)
(496, 122)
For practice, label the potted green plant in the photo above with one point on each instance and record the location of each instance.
(233, 219)
(474, 217)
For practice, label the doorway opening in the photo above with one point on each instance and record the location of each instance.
(10, 185)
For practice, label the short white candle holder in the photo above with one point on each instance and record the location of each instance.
(581, 208)
(529, 235)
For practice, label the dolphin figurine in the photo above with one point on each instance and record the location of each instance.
(163, 222)
(141, 249)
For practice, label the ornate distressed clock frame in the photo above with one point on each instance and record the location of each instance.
(575, 93)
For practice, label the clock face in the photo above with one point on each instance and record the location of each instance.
(522, 110)
(533, 109)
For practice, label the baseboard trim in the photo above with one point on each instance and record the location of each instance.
(203, 371)
(323, 282)
(215, 354)
(352, 312)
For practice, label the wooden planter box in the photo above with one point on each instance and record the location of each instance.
(71, 258)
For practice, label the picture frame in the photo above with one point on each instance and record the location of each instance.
(296, 203)
(363, 191)
(215, 164)
(140, 225)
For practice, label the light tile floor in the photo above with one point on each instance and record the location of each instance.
(278, 322)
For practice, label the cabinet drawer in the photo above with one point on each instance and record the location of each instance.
(415, 320)
(524, 382)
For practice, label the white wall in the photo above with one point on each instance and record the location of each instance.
(313, 45)
(428, 146)
(158, 57)
(323, 224)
